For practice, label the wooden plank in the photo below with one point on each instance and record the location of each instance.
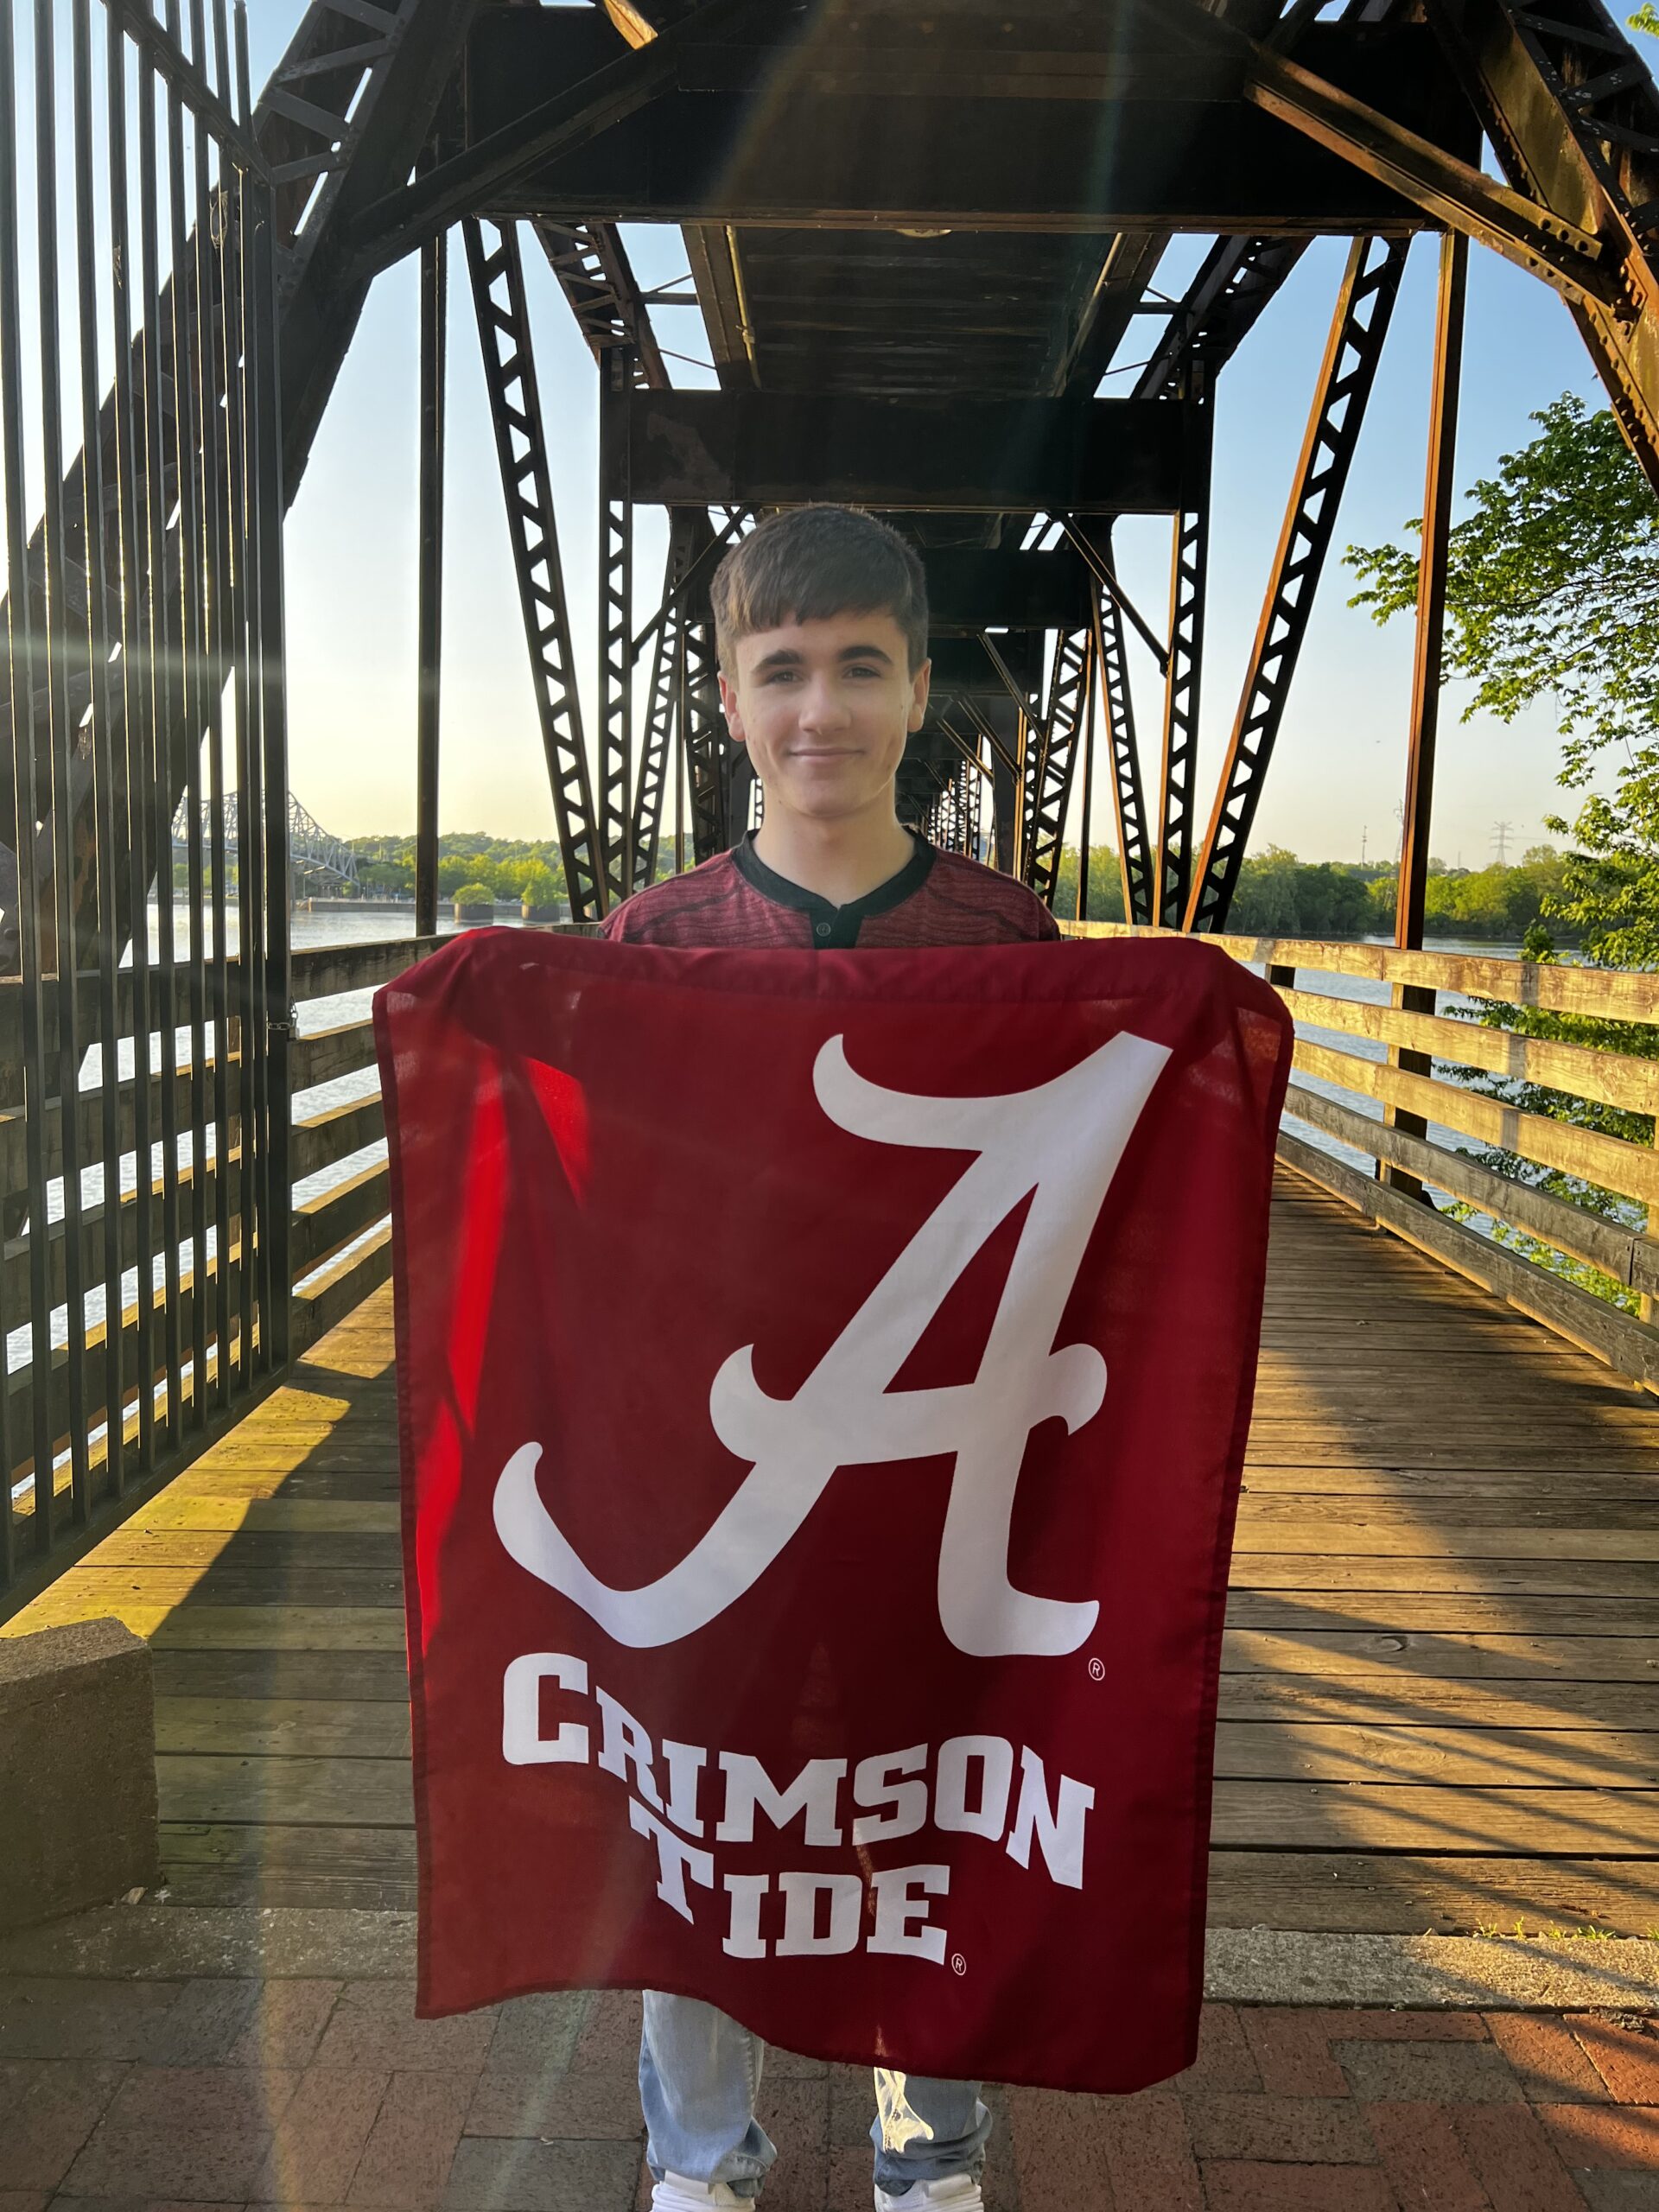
(1415, 1612)
(283, 1552)
(1627, 1255)
(329, 1134)
(1357, 1893)
(1373, 1577)
(219, 1627)
(1614, 1078)
(319, 1056)
(279, 1516)
(1624, 1343)
(280, 1727)
(1398, 1655)
(325, 1792)
(320, 1303)
(1514, 1523)
(1479, 1759)
(364, 1869)
(271, 1677)
(1632, 1169)
(1365, 1817)
(96, 1589)
(1615, 993)
(1410, 1699)
(324, 1223)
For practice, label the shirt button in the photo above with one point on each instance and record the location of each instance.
(823, 928)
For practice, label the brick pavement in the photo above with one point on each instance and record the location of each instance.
(328, 2094)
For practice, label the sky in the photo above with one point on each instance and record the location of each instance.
(1335, 780)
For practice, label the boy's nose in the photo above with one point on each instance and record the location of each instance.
(822, 708)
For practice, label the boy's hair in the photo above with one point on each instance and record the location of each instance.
(809, 564)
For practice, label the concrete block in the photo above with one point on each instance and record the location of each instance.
(77, 1814)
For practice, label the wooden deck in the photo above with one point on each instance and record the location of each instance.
(1440, 1706)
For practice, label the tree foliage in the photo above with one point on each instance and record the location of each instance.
(1552, 592)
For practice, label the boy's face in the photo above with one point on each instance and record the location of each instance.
(824, 709)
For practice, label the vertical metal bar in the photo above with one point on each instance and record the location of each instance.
(274, 730)
(20, 681)
(162, 478)
(1438, 491)
(615, 621)
(136, 679)
(677, 743)
(210, 211)
(1089, 726)
(1181, 690)
(106, 797)
(235, 1140)
(429, 619)
(190, 446)
(261, 883)
(1134, 858)
(58, 627)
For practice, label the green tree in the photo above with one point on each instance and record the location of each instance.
(1552, 592)
(1105, 884)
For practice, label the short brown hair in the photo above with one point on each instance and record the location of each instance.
(809, 564)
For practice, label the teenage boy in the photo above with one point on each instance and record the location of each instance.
(821, 621)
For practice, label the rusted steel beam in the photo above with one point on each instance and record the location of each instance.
(1135, 856)
(1099, 456)
(1359, 327)
(1572, 112)
(498, 283)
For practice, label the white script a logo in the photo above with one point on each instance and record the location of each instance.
(1061, 1143)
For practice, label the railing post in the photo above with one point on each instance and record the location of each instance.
(1409, 898)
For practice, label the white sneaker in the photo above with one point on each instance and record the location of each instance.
(952, 2193)
(674, 2193)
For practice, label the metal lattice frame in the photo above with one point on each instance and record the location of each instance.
(1358, 327)
(1574, 113)
(1070, 684)
(1188, 577)
(615, 625)
(594, 272)
(498, 282)
(1128, 804)
(662, 710)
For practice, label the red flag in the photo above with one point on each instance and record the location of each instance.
(824, 1380)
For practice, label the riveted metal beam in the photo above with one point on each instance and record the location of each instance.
(1358, 326)
(497, 283)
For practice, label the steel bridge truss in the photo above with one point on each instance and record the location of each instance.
(1365, 307)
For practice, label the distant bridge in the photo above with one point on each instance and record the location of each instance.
(314, 853)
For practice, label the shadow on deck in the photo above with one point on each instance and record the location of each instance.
(1440, 1678)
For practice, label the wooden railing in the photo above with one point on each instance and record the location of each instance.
(338, 1239)
(1384, 1096)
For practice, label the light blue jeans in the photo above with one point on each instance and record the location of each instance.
(699, 2075)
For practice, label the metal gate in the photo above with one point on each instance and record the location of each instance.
(143, 985)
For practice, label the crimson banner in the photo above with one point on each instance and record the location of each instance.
(824, 1380)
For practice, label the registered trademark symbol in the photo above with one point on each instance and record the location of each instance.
(1096, 1670)
(958, 1964)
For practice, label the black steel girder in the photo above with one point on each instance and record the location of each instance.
(1359, 325)
(1071, 685)
(761, 449)
(1134, 855)
(1572, 112)
(497, 283)
(933, 132)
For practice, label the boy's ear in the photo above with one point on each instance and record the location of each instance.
(731, 710)
(920, 684)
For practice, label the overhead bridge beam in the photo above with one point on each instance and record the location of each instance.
(717, 131)
(764, 449)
